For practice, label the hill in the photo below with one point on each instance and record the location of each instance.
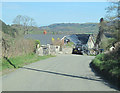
(72, 28)
(30, 29)
(7, 29)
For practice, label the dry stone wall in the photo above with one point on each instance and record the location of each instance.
(52, 50)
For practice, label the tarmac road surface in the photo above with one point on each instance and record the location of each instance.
(62, 73)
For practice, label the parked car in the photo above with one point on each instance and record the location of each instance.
(80, 49)
(77, 49)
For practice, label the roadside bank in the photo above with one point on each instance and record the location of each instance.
(108, 68)
(20, 61)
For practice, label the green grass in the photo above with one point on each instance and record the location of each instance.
(108, 63)
(5, 64)
(20, 61)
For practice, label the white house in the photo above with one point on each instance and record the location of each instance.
(90, 42)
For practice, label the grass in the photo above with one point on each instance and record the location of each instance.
(107, 63)
(108, 66)
(20, 61)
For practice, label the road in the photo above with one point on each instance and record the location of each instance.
(62, 73)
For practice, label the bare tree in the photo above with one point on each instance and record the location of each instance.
(17, 20)
(24, 21)
(113, 17)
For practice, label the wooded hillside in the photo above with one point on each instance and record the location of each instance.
(72, 27)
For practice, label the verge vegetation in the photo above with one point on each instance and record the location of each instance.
(20, 61)
(108, 66)
(16, 50)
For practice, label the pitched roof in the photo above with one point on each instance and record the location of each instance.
(83, 38)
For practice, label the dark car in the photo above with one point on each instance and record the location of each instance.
(77, 49)
(80, 49)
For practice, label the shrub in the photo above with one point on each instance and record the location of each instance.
(107, 62)
(18, 47)
(97, 62)
(37, 42)
(115, 71)
(100, 57)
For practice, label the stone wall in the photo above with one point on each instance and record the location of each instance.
(67, 50)
(39, 51)
(48, 50)
(52, 50)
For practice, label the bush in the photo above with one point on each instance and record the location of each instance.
(111, 41)
(108, 66)
(37, 42)
(108, 63)
(17, 47)
(115, 71)
(100, 56)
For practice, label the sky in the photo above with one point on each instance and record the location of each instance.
(46, 13)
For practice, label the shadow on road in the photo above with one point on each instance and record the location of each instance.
(62, 74)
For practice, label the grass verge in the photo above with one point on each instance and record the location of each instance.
(20, 61)
(108, 66)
